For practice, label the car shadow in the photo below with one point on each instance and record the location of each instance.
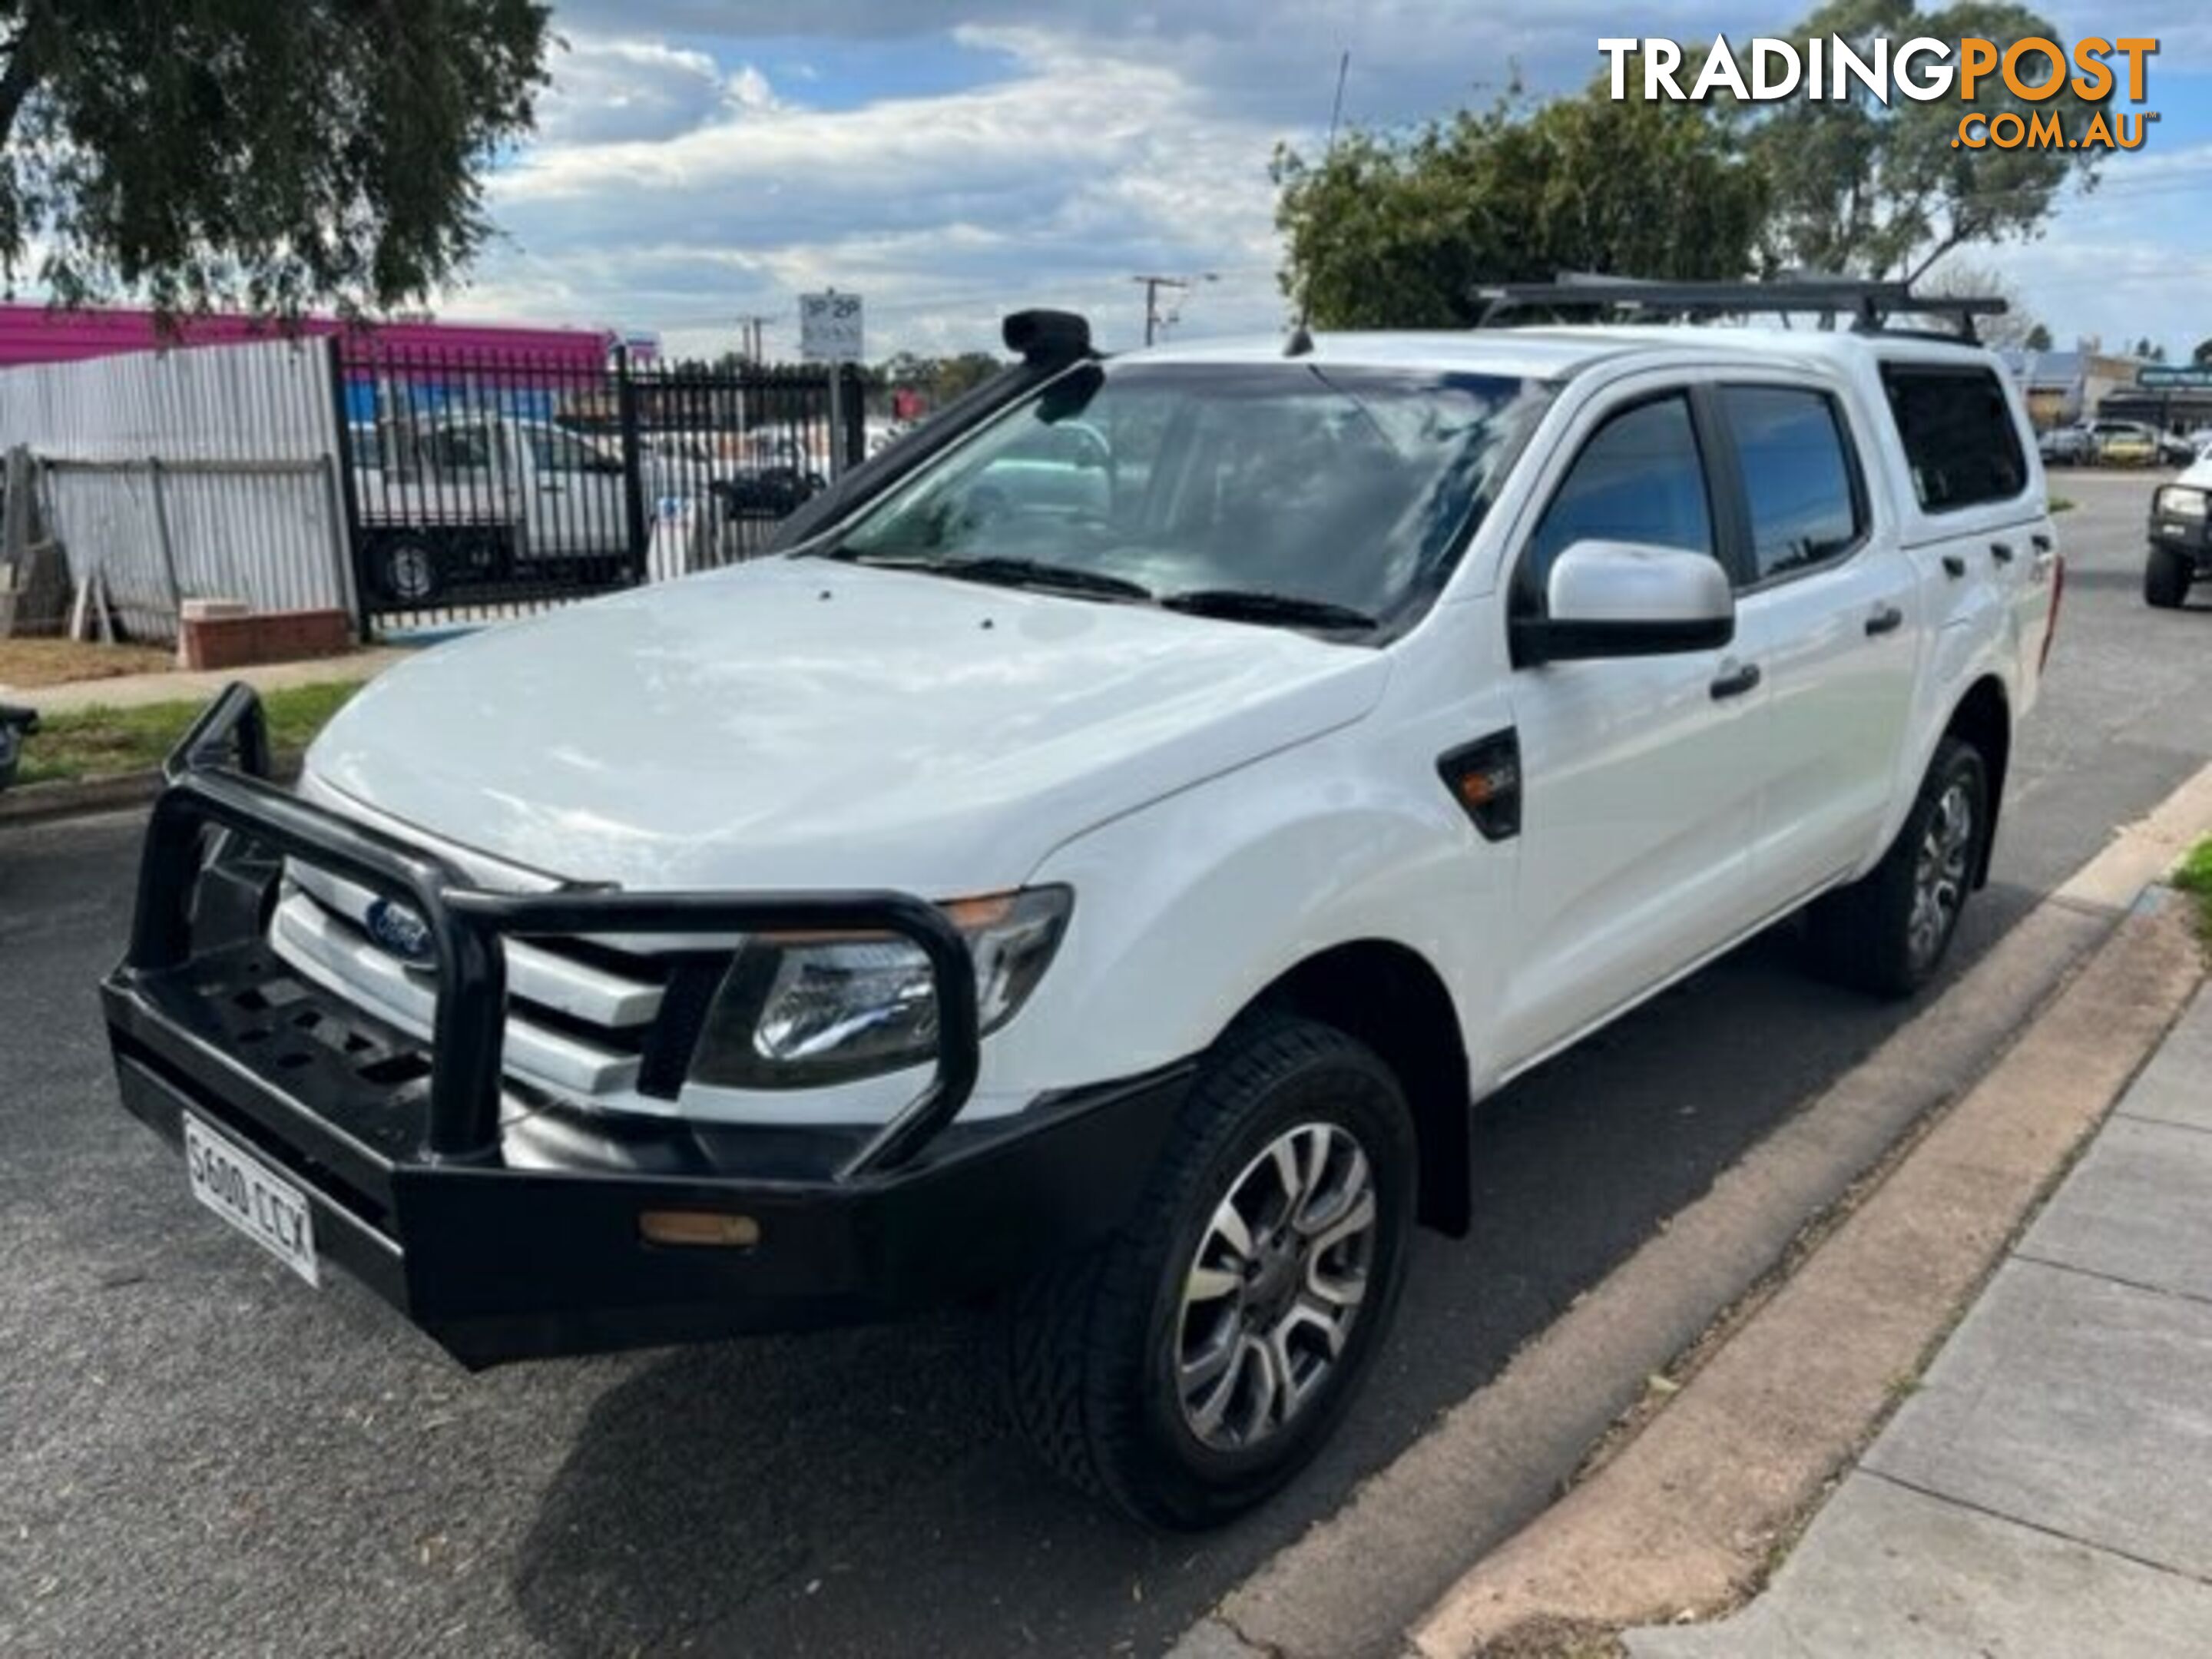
(862, 1492)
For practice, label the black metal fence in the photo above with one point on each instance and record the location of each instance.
(479, 484)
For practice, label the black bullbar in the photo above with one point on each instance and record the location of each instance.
(507, 1225)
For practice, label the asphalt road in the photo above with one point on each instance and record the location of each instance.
(199, 1454)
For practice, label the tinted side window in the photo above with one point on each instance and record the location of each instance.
(1639, 478)
(458, 448)
(1797, 477)
(1959, 436)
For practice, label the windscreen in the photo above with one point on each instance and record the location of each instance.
(1343, 489)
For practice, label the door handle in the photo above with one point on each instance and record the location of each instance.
(2000, 551)
(1736, 684)
(2042, 543)
(1887, 620)
(1953, 566)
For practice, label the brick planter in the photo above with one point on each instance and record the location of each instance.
(215, 633)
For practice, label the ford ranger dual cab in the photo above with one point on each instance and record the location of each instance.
(1102, 857)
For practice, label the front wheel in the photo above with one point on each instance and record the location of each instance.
(2167, 576)
(1189, 1365)
(1889, 932)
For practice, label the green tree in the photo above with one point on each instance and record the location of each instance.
(1881, 190)
(939, 379)
(1397, 231)
(963, 373)
(2039, 338)
(2202, 356)
(273, 153)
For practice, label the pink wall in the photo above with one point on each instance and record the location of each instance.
(31, 333)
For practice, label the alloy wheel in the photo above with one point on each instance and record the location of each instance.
(1275, 1285)
(1940, 873)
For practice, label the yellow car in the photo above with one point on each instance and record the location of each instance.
(2122, 443)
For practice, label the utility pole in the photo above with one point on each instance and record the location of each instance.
(1154, 321)
(750, 330)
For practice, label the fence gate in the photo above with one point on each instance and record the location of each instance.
(479, 484)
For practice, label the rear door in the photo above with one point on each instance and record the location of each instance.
(1832, 606)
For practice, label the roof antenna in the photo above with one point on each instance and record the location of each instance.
(1301, 341)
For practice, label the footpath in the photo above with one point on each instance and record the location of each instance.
(2047, 1489)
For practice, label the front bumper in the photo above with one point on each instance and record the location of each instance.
(2192, 537)
(508, 1226)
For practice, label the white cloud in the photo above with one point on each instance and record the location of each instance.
(2111, 262)
(612, 91)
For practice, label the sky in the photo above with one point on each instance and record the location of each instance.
(701, 160)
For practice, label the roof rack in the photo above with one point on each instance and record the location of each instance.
(1870, 304)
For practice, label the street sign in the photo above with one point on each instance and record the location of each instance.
(2173, 375)
(830, 327)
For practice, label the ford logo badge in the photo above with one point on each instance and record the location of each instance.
(399, 931)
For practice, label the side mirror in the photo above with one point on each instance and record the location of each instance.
(1626, 599)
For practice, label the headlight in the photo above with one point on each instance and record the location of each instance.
(800, 1012)
(2180, 501)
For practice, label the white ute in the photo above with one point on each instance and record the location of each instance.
(1103, 856)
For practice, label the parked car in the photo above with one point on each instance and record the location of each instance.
(768, 492)
(2180, 541)
(2125, 443)
(2068, 446)
(1103, 859)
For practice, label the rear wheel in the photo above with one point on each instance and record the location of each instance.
(1189, 1365)
(1889, 932)
(2167, 576)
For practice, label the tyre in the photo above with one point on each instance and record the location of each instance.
(2167, 576)
(1889, 932)
(408, 570)
(1186, 1367)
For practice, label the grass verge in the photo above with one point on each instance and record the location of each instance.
(2194, 876)
(84, 742)
(25, 662)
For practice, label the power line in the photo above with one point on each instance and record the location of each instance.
(1153, 320)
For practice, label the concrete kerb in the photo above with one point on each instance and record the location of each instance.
(1499, 1458)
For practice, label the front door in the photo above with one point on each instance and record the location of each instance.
(1639, 799)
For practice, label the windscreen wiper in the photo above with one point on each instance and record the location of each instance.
(1260, 605)
(1039, 573)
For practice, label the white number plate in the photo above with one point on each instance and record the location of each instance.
(250, 1196)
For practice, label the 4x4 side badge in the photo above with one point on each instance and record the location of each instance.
(1484, 778)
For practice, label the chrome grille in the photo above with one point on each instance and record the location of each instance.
(578, 1014)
